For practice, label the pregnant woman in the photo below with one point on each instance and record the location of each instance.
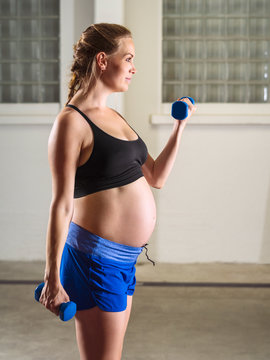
(102, 211)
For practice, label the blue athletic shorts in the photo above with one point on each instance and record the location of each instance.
(96, 271)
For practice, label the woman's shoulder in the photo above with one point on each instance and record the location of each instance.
(66, 114)
(70, 118)
(69, 124)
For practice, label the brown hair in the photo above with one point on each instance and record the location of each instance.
(96, 38)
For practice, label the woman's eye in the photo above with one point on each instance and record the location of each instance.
(129, 59)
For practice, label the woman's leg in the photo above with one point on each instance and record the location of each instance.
(100, 334)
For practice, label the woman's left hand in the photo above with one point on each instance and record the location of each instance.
(191, 110)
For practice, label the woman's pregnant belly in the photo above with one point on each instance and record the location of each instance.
(126, 215)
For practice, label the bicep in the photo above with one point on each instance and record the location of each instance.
(63, 152)
(148, 170)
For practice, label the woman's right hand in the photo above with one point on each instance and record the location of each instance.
(53, 295)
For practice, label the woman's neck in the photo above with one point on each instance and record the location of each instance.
(95, 98)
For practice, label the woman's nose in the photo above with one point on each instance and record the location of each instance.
(133, 69)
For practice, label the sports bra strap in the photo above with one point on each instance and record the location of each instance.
(80, 112)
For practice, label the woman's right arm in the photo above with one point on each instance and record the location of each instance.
(65, 143)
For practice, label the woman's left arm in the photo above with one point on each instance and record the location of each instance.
(157, 171)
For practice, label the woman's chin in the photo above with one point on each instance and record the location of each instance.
(122, 89)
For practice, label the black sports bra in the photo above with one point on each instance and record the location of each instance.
(114, 162)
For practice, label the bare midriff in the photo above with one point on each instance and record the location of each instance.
(125, 215)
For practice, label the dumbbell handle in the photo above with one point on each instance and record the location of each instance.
(180, 108)
(66, 310)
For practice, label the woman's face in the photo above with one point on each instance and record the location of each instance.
(120, 67)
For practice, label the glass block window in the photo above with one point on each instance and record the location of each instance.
(29, 51)
(216, 50)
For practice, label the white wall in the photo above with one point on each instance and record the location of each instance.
(24, 191)
(216, 204)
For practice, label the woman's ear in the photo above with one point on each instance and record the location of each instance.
(102, 60)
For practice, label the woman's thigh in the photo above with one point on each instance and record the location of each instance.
(100, 334)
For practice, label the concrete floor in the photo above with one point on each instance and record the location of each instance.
(167, 322)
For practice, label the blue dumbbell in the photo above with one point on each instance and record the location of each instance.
(66, 310)
(180, 108)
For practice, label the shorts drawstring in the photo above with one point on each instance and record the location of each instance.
(146, 251)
